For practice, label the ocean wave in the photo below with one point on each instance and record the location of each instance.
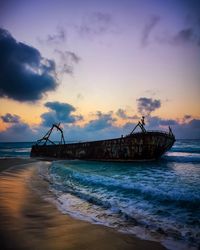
(94, 210)
(186, 146)
(182, 157)
(159, 197)
(185, 150)
(14, 149)
(126, 186)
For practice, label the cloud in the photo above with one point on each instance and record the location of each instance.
(184, 36)
(74, 57)
(60, 36)
(168, 122)
(97, 129)
(185, 130)
(67, 61)
(54, 39)
(188, 35)
(195, 124)
(59, 112)
(147, 105)
(150, 25)
(18, 132)
(187, 118)
(155, 122)
(25, 75)
(103, 121)
(123, 115)
(103, 127)
(9, 118)
(96, 23)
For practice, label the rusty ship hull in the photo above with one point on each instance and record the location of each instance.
(133, 147)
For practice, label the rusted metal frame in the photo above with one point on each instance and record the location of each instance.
(139, 125)
(47, 135)
(61, 131)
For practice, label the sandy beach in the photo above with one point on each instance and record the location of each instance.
(30, 222)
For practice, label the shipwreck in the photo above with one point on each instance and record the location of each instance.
(142, 145)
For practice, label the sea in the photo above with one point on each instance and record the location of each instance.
(156, 200)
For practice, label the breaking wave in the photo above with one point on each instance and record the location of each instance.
(154, 200)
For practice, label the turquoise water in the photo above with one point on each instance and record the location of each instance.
(154, 200)
(15, 149)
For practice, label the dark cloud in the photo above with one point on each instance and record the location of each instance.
(67, 61)
(168, 122)
(128, 127)
(185, 130)
(59, 112)
(102, 127)
(103, 121)
(188, 130)
(9, 118)
(25, 75)
(188, 34)
(18, 132)
(99, 128)
(147, 105)
(155, 122)
(77, 133)
(182, 37)
(150, 25)
(185, 36)
(122, 114)
(96, 23)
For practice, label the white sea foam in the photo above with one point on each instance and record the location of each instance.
(156, 202)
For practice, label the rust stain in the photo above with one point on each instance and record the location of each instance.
(145, 145)
(139, 146)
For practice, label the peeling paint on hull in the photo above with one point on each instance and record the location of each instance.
(134, 147)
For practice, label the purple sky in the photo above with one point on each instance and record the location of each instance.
(98, 66)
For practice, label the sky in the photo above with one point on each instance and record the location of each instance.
(98, 66)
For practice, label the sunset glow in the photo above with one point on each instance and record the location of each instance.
(99, 56)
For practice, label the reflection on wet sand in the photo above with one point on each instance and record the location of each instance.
(29, 222)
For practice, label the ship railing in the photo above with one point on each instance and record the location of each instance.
(79, 141)
(153, 131)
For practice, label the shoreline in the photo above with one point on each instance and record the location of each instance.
(30, 222)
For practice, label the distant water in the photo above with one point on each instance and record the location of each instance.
(157, 200)
(15, 149)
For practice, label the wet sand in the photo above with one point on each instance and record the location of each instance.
(27, 221)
